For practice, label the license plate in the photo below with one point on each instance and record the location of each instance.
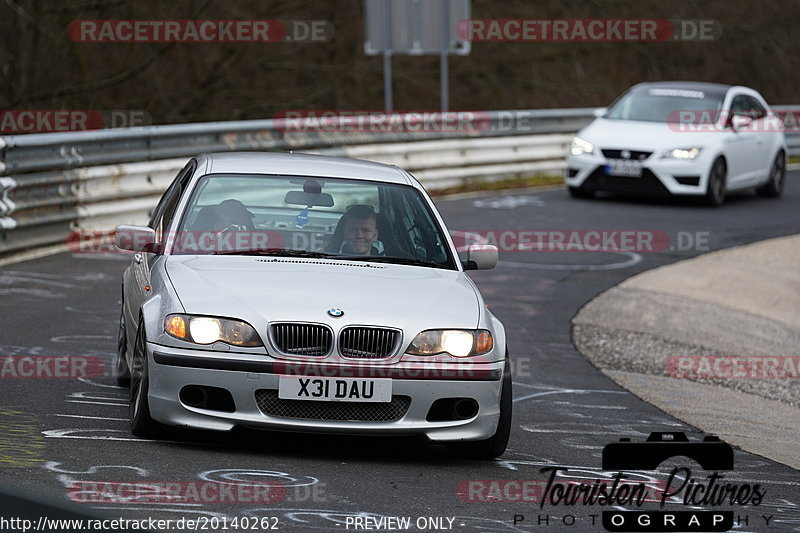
(335, 389)
(624, 167)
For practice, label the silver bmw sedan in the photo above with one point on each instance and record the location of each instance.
(309, 293)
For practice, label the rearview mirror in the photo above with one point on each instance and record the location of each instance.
(135, 238)
(481, 257)
(307, 199)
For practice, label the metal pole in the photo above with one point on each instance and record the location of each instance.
(443, 56)
(387, 56)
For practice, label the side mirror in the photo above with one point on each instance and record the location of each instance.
(599, 112)
(481, 257)
(135, 238)
(739, 122)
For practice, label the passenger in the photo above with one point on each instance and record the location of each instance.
(230, 215)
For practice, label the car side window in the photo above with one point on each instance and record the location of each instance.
(165, 210)
(757, 110)
(740, 106)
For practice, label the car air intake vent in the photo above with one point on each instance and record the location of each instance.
(333, 263)
(302, 339)
(363, 342)
(269, 404)
(688, 180)
(627, 154)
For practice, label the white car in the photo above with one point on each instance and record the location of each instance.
(309, 293)
(680, 138)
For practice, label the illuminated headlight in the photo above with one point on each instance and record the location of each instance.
(456, 342)
(682, 153)
(580, 146)
(208, 330)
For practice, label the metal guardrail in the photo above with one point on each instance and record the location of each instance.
(61, 183)
(49, 151)
(52, 185)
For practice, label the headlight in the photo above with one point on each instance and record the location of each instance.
(580, 146)
(682, 153)
(207, 330)
(456, 342)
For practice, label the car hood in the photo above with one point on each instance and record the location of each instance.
(268, 289)
(645, 136)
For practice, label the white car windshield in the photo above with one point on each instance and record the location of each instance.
(311, 216)
(664, 104)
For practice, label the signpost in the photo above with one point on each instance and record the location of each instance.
(414, 27)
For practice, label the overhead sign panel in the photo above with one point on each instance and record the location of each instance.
(414, 27)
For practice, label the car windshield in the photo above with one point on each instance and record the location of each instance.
(312, 217)
(665, 104)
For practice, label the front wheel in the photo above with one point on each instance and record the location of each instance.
(715, 190)
(142, 424)
(495, 445)
(777, 178)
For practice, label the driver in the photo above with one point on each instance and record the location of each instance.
(361, 232)
(230, 215)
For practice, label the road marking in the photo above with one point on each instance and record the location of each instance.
(97, 403)
(568, 391)
(633, 259)
(21, 446)
(103, 385)
(509, 202)
(237, 475)
(70, 434)
(91, 417)
(54, 466)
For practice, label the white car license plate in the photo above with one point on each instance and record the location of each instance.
(624, 167)
(335, 389)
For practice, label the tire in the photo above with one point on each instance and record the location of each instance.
(715, 190)
(121, 371)
(577, 192)
(777, 178)
(495, 445)
(142, 424)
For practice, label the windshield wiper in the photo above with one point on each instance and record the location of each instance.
(389, 259)
(275, 251)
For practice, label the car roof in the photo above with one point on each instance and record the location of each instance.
(289, 164)
(689, 85)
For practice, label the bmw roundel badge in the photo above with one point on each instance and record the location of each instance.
(335, 312)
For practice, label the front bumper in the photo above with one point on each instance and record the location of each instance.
(171, 369)
(660, 177)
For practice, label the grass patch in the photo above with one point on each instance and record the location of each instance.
(793, 160)
(512, 183)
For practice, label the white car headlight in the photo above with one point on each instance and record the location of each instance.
(456, 342)
(682, 153)
(580, 146)
(208, 330)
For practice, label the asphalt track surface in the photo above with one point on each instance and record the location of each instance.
(59, 431)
